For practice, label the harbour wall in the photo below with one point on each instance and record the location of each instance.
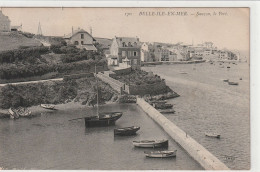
(195, 150)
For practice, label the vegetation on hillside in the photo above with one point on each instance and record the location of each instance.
(54, 92)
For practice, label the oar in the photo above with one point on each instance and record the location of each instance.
(76, 119)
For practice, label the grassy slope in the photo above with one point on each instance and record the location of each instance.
(14, 40)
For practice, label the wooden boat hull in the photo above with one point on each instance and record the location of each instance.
(161, 154)
(167, 111)
(126, 131)
(47, 106)
(233, 83)
(151, 144)
(19, 112)
(105, 120)
(213, 135)
(162, 106)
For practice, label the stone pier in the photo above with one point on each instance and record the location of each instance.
(193, 148)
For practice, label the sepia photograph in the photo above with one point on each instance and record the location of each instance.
(123, 88)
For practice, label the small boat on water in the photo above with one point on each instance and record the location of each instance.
(232, 83)
(127, 131)
(212, 135)
(167, 111)
(162, 106)
(225, 80)
(228, 67)
(19, 112)
(157, 101)
(48, 106)
(101, 119)
(160, 154)
(151, 143)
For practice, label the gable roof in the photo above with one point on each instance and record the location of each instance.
(3, 17)
(126, 40)
(76, 32)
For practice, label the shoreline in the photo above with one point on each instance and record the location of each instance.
(38, 110)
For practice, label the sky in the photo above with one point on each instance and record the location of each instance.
(225, 27)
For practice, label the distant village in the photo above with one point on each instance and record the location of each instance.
(131, 51)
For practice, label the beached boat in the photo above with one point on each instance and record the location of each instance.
(102, 119)
(19, 112)
(127, 131)
(216, 135)
(232, 83)
(48, 106)
(157, 101)
(166, 111)
(151, 143)
(13, 114)
(160, 154)
(162, 106)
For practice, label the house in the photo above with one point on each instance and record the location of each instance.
(146, 52)
(81, 39)
(125, 48)
(4, 23)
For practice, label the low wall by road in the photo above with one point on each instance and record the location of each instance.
(195, 150)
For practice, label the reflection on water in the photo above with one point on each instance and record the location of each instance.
(207, 104)
(51, 141)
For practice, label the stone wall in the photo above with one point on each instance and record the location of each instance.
(195, 150)
(115, 84)
(152, 89)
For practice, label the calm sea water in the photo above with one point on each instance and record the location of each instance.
(50, 141)
(207, 104)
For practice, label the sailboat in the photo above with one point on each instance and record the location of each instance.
(104, 118)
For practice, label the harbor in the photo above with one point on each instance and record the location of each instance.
(88, 97)
(64, 144)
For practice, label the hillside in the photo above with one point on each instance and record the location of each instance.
(15, 40)
(105, 42)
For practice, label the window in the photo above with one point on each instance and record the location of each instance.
(123, 53)
(82, 42)
(135, 53)
(123, 43)
(76, 42)
(82, 36)
(129, 44)
(129, 54)
(135, 61)
(135, 44)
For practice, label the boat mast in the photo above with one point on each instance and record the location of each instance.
(97, 89)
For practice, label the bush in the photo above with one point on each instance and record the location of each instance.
(11, 56)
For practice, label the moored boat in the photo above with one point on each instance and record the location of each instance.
(48, 106)
(101, 119)
(126, 131)
(216, 135)
(19, 112)
(166, 111)
(13, 114)
(151, 143)
(162, 106)
(226, 80)
(160, 154)
(232, 83)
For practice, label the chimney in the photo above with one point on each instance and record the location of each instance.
(90, 30)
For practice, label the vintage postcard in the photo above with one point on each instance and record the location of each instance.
(124, 88)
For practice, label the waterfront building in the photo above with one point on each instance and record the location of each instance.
(146, 52)
(123, 47)
(81, 39)
(4, 23)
